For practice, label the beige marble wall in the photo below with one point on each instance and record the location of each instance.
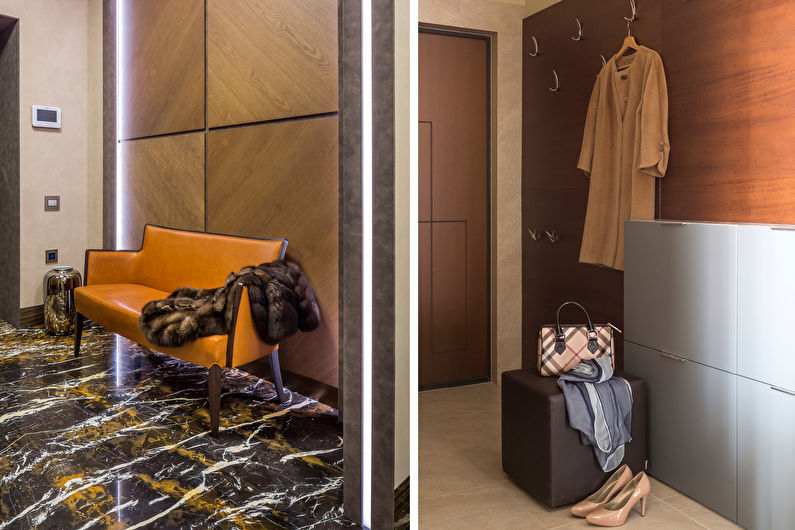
(534, 6)
(59, 67)
(505, 19)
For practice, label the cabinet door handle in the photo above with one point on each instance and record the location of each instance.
(673, 357)
(782, 390)
(783, 228)
(671, 223)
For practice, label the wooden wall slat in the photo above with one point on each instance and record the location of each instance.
(271, 59)
(162, 58)
(280, 180)
(162, 181)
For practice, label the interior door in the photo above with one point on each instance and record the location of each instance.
(454, 208)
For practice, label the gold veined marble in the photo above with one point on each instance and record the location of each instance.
(119, 438)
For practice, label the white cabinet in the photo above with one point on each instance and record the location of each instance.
(766, 305)
(680, 290)
(685, 401)
(766, 464)
(709, 317)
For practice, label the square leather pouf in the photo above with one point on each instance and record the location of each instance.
(543, 454)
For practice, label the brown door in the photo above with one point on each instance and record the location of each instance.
(454, 208)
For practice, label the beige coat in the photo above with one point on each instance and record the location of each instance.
(624, 147)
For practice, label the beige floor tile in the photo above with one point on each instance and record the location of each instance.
(661, 490)
(700, 513)
(449, 472)
(480, 508)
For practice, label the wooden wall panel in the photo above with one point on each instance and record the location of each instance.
(162, 182)
(730, 71)
(162, 61)
(554, 191)
(280, 180)
(270, 59)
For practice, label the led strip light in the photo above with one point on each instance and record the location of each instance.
(367, 260)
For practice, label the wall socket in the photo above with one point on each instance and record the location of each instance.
(51, 256)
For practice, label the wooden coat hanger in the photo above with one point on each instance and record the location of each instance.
(629, 42)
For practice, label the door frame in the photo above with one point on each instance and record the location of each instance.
(491, 57)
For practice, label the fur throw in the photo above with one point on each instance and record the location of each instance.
(282, 302)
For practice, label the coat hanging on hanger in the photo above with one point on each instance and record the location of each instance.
(625, 147)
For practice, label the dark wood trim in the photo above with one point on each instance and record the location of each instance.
(109, 140)
(9, 170)
(350, 241)
(383, 331)
(30, 317)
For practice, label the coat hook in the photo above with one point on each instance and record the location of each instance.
(534, 235)
(604, 61)
(553, 236)
(535, 43)
(634, 8)
(579, 30)
(557, 82)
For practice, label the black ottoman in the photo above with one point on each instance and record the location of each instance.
(543, 454)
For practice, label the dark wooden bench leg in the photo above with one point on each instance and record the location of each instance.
(214, 387)
(277, 376)
(78, 332)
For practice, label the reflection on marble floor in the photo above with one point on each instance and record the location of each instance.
(119, 438)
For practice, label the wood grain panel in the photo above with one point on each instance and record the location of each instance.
(449, 287)
(162, 67)
(425, 153)
(732, 110)
(270, 59)
(162, 182)
(280, 180)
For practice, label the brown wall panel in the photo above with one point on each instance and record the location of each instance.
(425, 152)
(270, 59)
(162, 182)
(280, 180)
(162, 61)
(732, 110)
(449, 286)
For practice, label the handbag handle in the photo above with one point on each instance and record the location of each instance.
(560, 338)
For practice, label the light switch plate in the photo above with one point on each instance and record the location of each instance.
(51, 256)
(52, 203)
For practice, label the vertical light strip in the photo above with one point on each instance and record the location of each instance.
(367, 260)
(119, 118)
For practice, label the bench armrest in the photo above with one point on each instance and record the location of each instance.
(110, 266)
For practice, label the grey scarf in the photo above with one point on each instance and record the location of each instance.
(599, 405)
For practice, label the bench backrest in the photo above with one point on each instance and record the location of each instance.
(171, 258)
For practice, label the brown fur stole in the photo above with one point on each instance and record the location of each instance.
(281, 300)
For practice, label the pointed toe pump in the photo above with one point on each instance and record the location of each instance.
(615, 512)
(617, 480)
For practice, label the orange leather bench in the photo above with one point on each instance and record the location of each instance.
(119, 283)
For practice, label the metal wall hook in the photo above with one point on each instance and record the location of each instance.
(534, 235)
(604, 61)
(634, 8)
(535, 43)
(557, 82)
(579, 30)
(553, 236)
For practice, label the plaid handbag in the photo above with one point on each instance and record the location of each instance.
(560, 348)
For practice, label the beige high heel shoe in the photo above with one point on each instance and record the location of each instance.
(618, 480)
(615, 512)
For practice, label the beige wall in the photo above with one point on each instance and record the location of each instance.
(405, 247)
(534, 6)
(60, 65)
(504, 18)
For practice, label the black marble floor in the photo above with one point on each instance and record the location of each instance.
(119, 438)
